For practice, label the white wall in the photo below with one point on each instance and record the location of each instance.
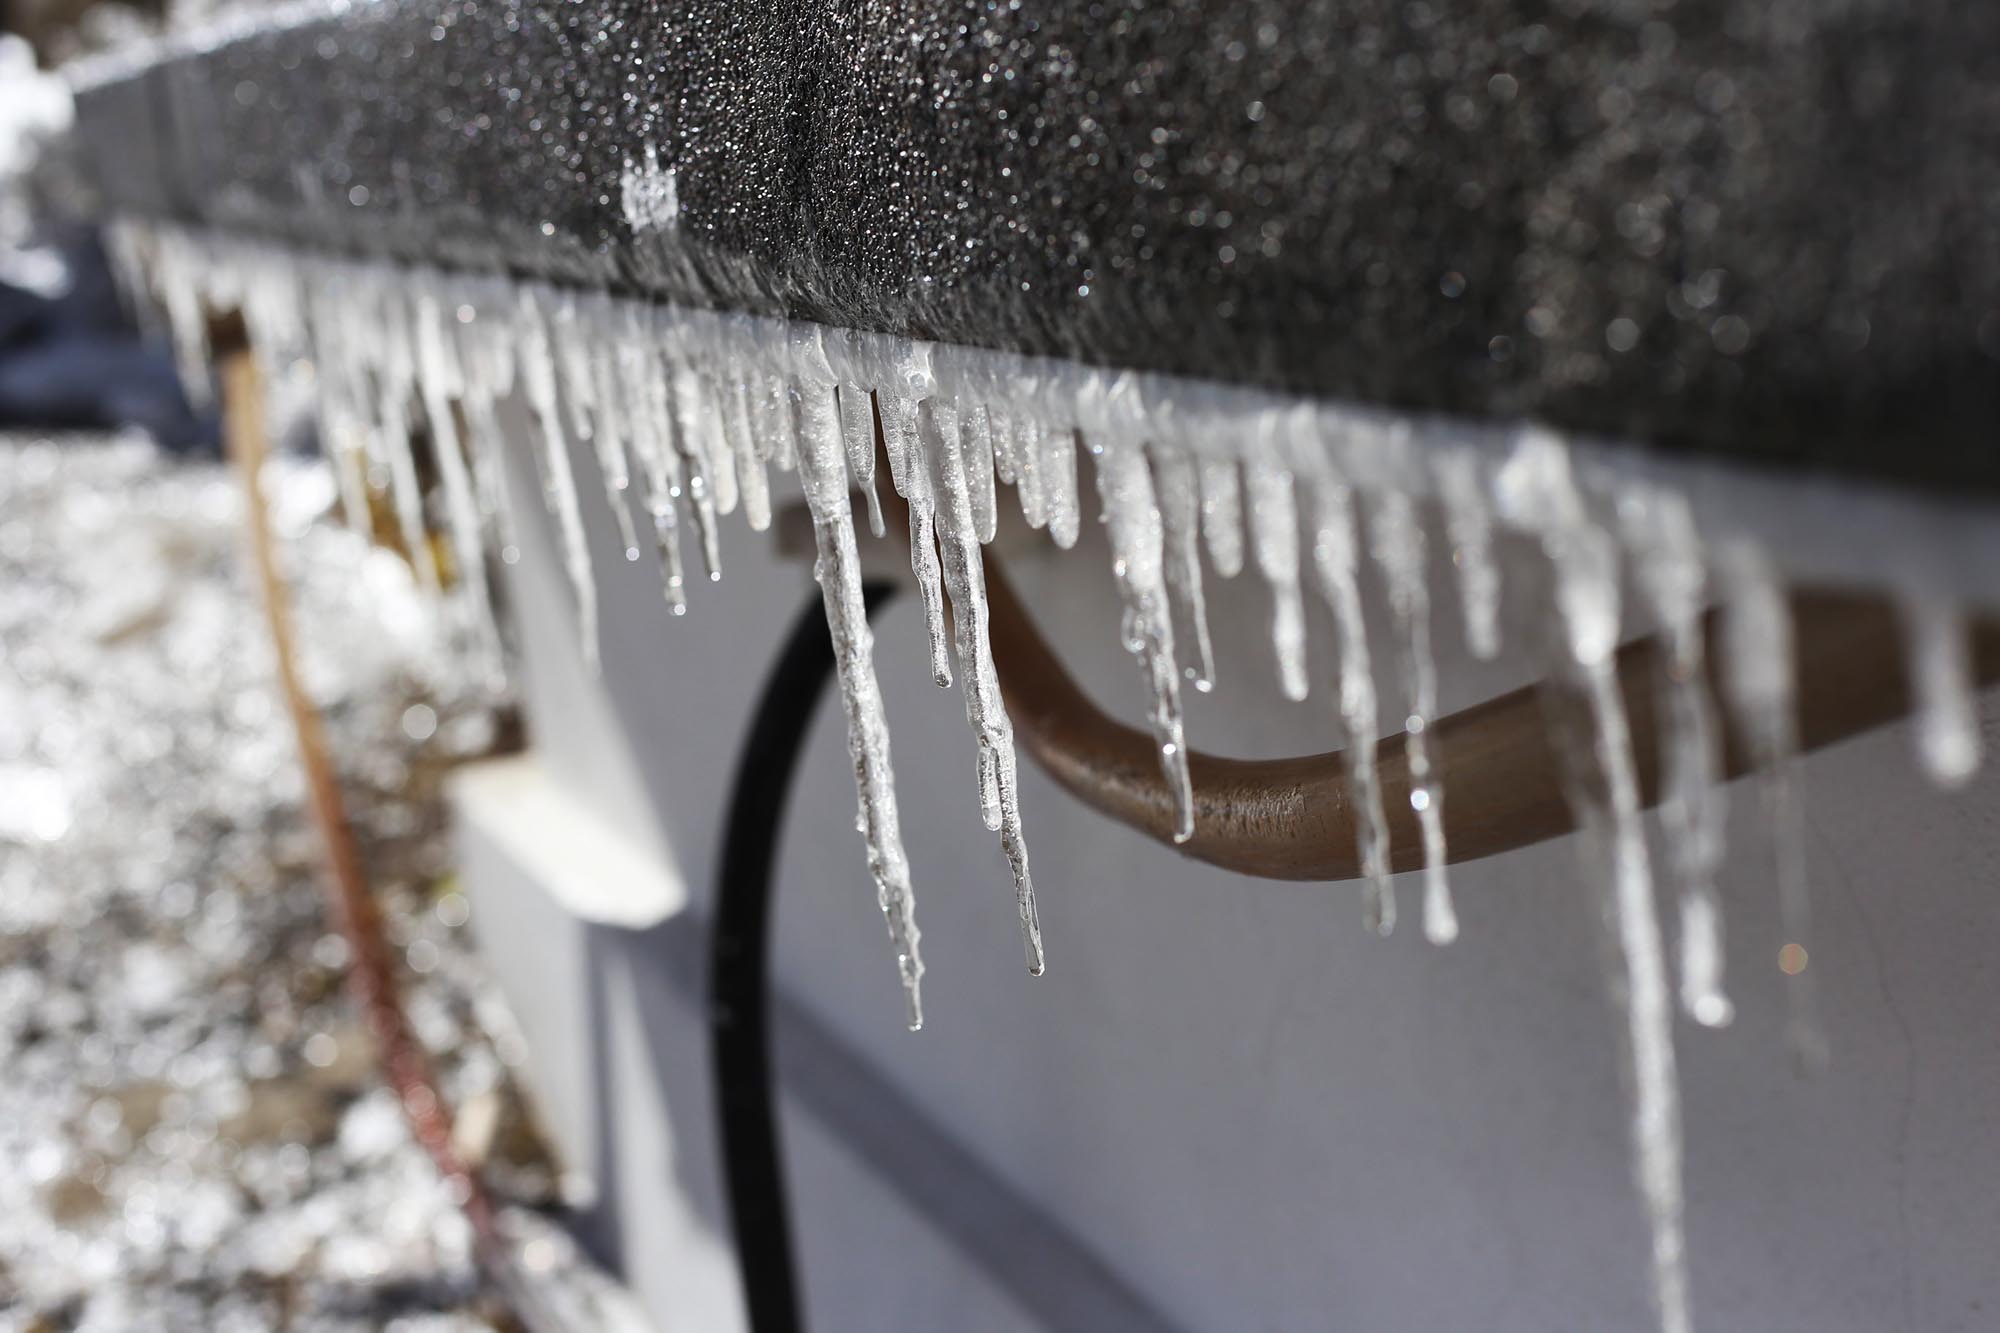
(1256, 1114)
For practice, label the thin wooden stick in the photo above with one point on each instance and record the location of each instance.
(350, 902)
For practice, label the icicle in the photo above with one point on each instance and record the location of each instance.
(744, 429)
(1672, 578)
(1030, 466)
(823, 474)
(1178, 484)
(439, 381)
(857, 427)
(1132, 520)
(1006, 447)
(985, 711)
(271, 313)
(558, 482)
(1594, 747)
(610, 441)
(1274, 540)
(912, 481)
(1058, 478)
(393, 433)
(1468, 522)
(340, 431)
(1222, 515)
(649, 428)
(1336, 567)
(127, 246)
(976, 434)
(776, 438)
(716, 429)
(174, 278)
(1940, 672)
(1400, 554)
(688, 401)
(1757, 687)
(938, 431)
(488, 372)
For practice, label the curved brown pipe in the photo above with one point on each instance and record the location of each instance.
(1293, 818)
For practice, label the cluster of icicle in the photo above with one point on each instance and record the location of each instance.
(687, 411)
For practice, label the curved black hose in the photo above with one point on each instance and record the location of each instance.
(738, 965)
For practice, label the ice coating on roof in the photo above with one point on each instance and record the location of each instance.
(1617, 216)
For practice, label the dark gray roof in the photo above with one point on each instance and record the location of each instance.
(1764, 227)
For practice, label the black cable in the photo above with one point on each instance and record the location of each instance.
(738, 966)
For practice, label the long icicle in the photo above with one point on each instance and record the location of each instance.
(615, 425)
(1336, 567)
(1179, 486)
(439, 381)
(488, 373)
(1758, 672)
(649, 428)
(1594, 749)
(1468, 523)
(558, 481)
(913, 482)
(1400, 554)
(1672, 577)
(392, 430)
(693, 412)
(985, 710)
(823, 475)
(1222, 515)
(1133, 521)
(1274, 542)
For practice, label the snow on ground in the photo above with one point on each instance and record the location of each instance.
(192, 1132)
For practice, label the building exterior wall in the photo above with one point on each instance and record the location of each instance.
(1245, 1108)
